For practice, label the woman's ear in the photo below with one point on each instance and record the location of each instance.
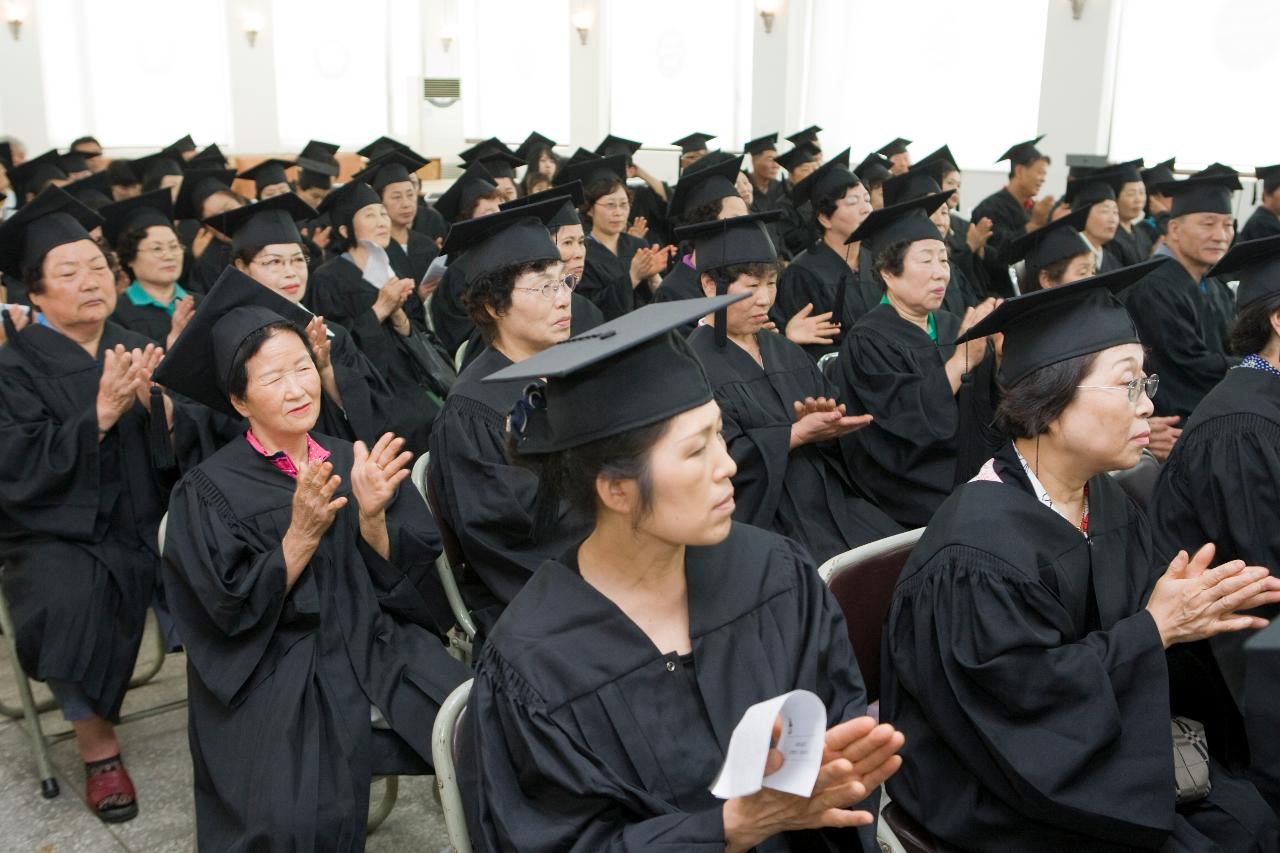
(241, 265)
(708, 285)
(342, 229)
(1046, 283)
(240, 406)
(1275, 323)
(616, 495)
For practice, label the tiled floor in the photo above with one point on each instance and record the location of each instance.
(155, 750)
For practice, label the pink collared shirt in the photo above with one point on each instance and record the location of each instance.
(315, 453)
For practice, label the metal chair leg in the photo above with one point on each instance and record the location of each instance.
(30, 711)
(390, 791)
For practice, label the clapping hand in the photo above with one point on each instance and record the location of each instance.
(183, 310)
(822, 419)
(1191, 601)
(809, 328)
(318, 338)
(377, 473)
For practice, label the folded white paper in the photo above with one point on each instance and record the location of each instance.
(804, 727)
(377, 270)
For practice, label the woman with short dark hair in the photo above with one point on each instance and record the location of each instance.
(142, 233)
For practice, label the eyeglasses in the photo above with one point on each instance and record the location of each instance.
(615, 206)
(160, 251)
(551, 288)
(1147, 385)
(275, 263)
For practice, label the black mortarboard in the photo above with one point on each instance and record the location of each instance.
(198, 365)
(1095, 187)
(29, 176)
(1200, 193)
(728, 242)
(937, 163)
(809, 134)
(534, 140)
(1052, 242)
(480, 150)
(380, 146)
(121, 173)
(588, 171)
(1256, 264)
(505, 238)
(73, 161)
(94, 191)
(873, 170)
(210, 158)
(1128, 172)
(804, 152)
(319, 157)
(831, 177)
(1269, 176)
(391, 167)
(694, 142)
(571, 198)
(612, 145)
(913, 183)
(626, 374)
(1160, 173)
(197, 185)
(266, 174)
(263, 223)
(346, 201)
(761, 144)
(901, 223)
(153, 208)
(51, 219)
(500, 160)
(474, 183)
(180, 146)
(1050, 326)
(701, 184)
(897, 146)
(6, 155)
(155, 166)
(1024, 153)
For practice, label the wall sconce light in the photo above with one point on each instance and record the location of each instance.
(447, 34)
(252, 23)
(582, 23)
(15, 15)
(1077, 9)
(768, 9)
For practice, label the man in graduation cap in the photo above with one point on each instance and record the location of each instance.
(409, 251)
(1013, 210)
(898, 156)
(90, 149)
(1181, 310)
(1265, 219)
(766, 188)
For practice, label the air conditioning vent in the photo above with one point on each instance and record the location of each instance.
(441, 87)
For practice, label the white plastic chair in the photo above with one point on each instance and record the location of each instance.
(444, 747)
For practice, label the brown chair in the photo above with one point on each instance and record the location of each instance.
(862, 581)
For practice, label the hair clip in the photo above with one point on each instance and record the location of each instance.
(534, 399)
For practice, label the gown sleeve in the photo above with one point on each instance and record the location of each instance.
(760, 451)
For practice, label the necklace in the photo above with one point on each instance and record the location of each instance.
(1042, 494)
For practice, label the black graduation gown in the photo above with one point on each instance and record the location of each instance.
(645, 202)
(906, 459)
(281, 683)
(1221, 484)
(368, 405)
(489, 503)
(1033, 689)
(206, 268)
(449, 316)
(1182, 327)
(78, 517)
(683, 282)
(967, 268)
(606, 277)
(771, 199)
(820, 276)
(414, 263)
(429, 223)
(1008, 222)
(150, 321)
(805, 493)
(338, 292)
(1130, 247)
(581, 735)
(1261, 223)
(798, 229)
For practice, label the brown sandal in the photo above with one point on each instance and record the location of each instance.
(109, 790)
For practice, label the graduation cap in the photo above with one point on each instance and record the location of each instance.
(1160, 173)
(1256, 263)
(155, 166)
(571, 198)
(197, 185)
(702, 184)
(629, 373)
(319, 157)
(263, 223)
(694, 142)
(897, 146)
(392, 167)
(804, 152)
(1024, 153)
(1268, 176)
(121, 173)
(346, 201)
(728, 242)
(515, 236)
(809, 134)
(267, 173)
(472, 184)
(938, 163)
(761, 144)
(612, 145)
(6, 155)
(1095, 187)
(51, 219)
(1051, 326)
(180, 146)
(380, 146)
(900, 223)
(873, 170)
(534, 140)
(210, 158)
(198, 365)
(74, 161)
(94, 191)
(913, 183)
(1055, 241)
(594, 169)
(29, 176)
(500, 160)
(829, 178)
(1200, 193)
(1128, 172)
(154, 208)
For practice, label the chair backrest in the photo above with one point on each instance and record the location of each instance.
(451, 560)
(459, 356)
(161, 530)
(444, 755)
(862, 581)
(829, 364)
(419, 475)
